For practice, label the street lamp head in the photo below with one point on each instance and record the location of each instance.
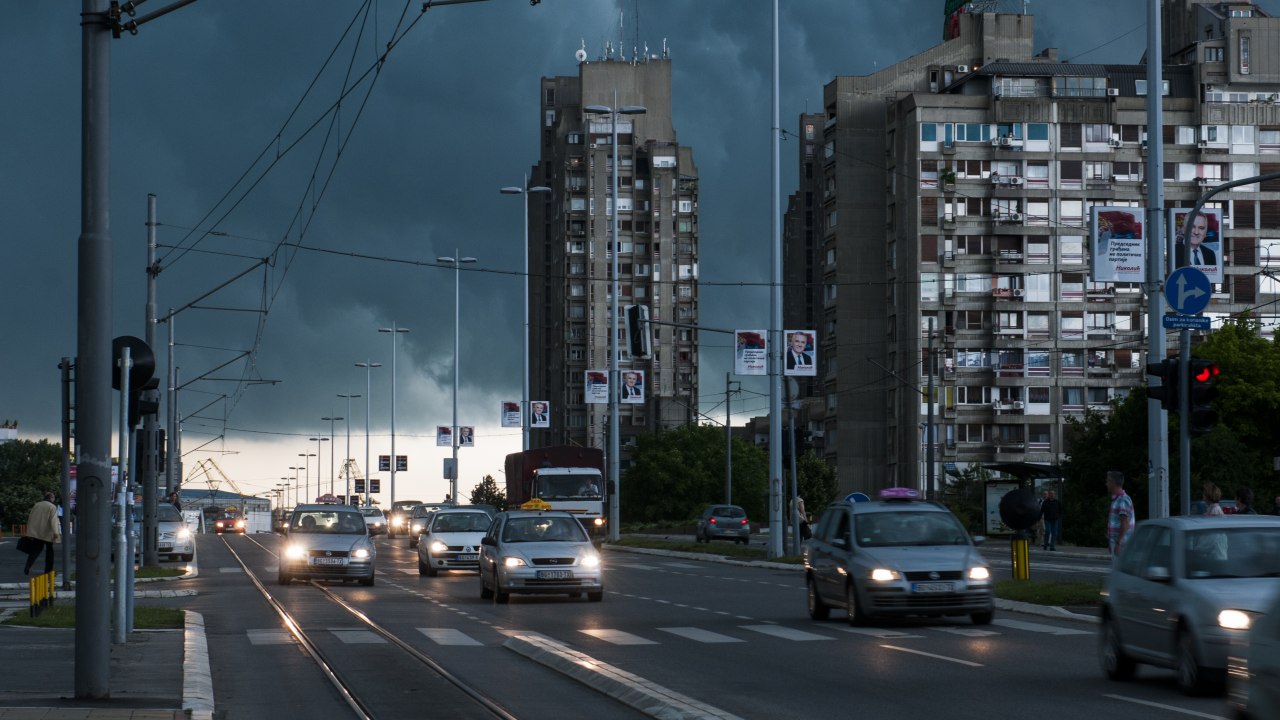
(368, 365)
(511, 191)
(633, 110)
(451, 261)
(539, 189)
(387, 330)
(319, 439)
(335, 419)
(344, 395)
(521, 191)
(597, 109)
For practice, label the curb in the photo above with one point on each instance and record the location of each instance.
(647, 697)
(197, 680)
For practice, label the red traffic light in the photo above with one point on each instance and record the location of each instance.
(1205, 373)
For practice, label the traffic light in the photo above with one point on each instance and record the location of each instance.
(1201, 390)
(143, 401)
(1167, 391)
(638, 334)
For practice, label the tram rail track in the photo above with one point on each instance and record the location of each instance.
(331, 670)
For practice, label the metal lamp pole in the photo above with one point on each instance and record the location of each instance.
(332, 459)
(319, 455)
(346, 460)
(456, 261)
(368, 366)
(306, 475)
(615, 385)
(524, 191)
(394, 331)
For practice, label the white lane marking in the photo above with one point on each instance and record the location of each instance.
(268, 637)
(1040, 628)
(967, 632)
(883, 634)
(689, 566)
(785, 633)
(1162, 706)
(449, 636)
(357, 637)
(936, 657)
(633, 566)
(617, 637)
(700, 635)
(230, 570)
(1066, 569)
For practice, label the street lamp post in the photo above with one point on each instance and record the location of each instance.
(394, 332)
(319, 455)
(295, 470)
(346, 460)
(615, 384)
(332, 445)
(306, 475)
(368, 366)
(525, 191)
(456, 261)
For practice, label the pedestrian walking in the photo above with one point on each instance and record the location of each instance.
(1120, 519)
(1051, 513)
(175, 500)
(801, 518)
(1212, 495)
(44, 530)
(1244, 501)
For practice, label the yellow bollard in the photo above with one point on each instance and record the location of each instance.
(1021, 557)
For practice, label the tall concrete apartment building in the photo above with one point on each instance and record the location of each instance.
(956, 186)
(570, 257)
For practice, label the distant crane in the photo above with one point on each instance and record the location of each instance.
(213, 476)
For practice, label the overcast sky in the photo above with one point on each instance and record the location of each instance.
(213, 98)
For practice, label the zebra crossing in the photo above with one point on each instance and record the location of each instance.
(489, 637)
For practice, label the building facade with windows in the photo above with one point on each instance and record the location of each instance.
(570, 254)
(961, 194)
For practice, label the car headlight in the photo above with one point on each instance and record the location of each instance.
(513, 562)
(295, 552)
(599, 522)
(417, 528)
(184, 534)
(239, 523)
(1234, 620)
(360, 554)
(397, 521)
(591, 561)
(979, 573)
(885, 575)
(438, 547)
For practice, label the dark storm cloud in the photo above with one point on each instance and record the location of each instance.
(454, 116)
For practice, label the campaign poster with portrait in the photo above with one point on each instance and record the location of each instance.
(632, 389)
(511, 416)
(444, 436)
(539, 414)
(597, 387)
(1117, 248)
(466, 436)
(1201, 248)
(751, 352)
(800, 353)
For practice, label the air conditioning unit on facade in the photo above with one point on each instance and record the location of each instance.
(1015, 181)
(1113, 92)
(1202, 144)
(1114, 142)
(1019, 292)
(1005, 141)
(962, 69)
(1017, 404)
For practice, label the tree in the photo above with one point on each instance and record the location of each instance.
(675, 473)
(487, 492)
(965, 494)
(28, 470)
(817, 482)
(1100, 442)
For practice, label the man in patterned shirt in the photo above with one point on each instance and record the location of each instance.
(1120, 519)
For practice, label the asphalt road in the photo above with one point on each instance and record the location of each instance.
(732, 637)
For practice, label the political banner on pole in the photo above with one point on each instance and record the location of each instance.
(1117, 248)
(511, 416)
(1202, 247)
(539, 414)
(801, 353)
(751, 352)
(444, 436)
(597, 387)
(466, 436)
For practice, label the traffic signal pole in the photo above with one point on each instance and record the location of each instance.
(1157, 417)
(1184, 419)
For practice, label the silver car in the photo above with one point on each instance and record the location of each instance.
(374, 519)
(537, 551)
(451, 540)
(1184, 591)
(893, 557)
(327, 542)
(1254, 675)
(175, 537)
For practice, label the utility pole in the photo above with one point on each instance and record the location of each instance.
(728, 440)
(148, 462)
(775, 333)
(932, 491)
(1157, 417)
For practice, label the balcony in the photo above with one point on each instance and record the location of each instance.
(1008, 218)
(1100, 294)
(1006, 180)
(1008, 294)
(947, 222)
(1007, 143)
(1007, 407)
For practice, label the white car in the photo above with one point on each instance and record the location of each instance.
(535, 551)
(451, 540)
(1253, 676)
(175, 538)
(327, 542)
(374, 519)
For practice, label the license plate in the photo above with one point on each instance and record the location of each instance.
(555, 574)
(933, 587)
(468, 558)
(166, 548)
(329, 561)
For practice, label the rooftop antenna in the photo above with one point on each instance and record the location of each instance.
(664, 49)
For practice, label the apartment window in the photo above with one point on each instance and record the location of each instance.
(1097, 133)
(684, 225)
(577, 247)
(577, 352)
(1037, 131)
(1244, 54)
(1213, 54)
(577, 290)
(577, 312)
(549, 96)
(684, 292)
(685, 207)
(1081, 87)
(577, 268)
(929, 132)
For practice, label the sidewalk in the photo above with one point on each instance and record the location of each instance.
(154, 674)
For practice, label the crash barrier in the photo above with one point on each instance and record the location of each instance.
(40, 589)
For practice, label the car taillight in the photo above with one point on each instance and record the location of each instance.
(712, 521)
(744, 521)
